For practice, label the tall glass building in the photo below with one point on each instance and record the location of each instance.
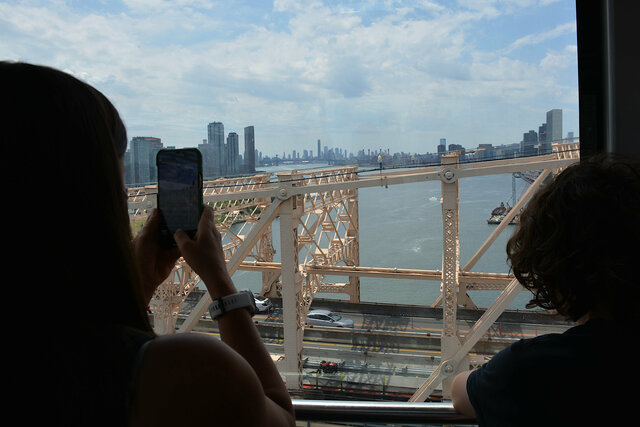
(216, 139)
(249, 150)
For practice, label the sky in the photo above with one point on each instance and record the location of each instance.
(395, 75)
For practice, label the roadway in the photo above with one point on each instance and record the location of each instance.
(384, 352)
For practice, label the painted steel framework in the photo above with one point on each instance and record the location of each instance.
(318, 214)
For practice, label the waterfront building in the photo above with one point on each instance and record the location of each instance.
(529, 143)
(485, 151)
(208, 156)
(249, 150)
(542, 133)
(216, 140)
(456, 147)
(142, 159)
(128, 168)
(554, 127)
(232, 151)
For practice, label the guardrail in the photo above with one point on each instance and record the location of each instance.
(340, 411)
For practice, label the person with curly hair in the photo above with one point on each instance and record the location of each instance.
(576, 250)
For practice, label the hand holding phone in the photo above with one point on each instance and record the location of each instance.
(206, 257)
(179, 192)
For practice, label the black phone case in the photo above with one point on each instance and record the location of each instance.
(166, 237)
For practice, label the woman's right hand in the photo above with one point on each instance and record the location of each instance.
(204, 254)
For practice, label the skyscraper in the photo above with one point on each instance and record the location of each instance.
(442, 147)
(551, 131)
(216, 139)
(232, 154)
(542, 133)
(319, 150)
(528, 144)
(206, 150)
(143, 158)
(554, 125)
(249, 150)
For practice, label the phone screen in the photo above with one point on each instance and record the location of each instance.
(179, 190)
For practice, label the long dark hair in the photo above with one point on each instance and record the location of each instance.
(576, 245)
(69, 140)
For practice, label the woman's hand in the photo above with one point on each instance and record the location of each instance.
(204, 254)
(154, 262)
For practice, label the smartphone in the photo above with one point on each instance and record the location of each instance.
(179, 192)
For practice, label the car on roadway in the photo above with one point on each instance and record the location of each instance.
(263, 304)
(328, 318)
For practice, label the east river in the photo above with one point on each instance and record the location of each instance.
(401, 226)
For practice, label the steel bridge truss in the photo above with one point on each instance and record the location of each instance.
(318, 216)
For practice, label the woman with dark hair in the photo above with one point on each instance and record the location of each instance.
(96, 360)
(576, 251)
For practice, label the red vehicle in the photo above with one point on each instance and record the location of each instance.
(328, 367)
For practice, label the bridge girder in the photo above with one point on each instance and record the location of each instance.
(322, 212)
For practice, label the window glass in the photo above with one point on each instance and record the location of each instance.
(304, 84)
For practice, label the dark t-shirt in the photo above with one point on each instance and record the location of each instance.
(569, 379)
(94, 376)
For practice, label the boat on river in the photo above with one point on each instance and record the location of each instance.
(499, 213)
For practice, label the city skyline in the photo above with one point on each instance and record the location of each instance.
(222, 159)
(549, 131)
(400, 75)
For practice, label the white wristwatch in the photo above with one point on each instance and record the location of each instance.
(243, 299)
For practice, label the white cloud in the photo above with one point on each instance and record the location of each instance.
(155, 6)
(539, 37)
(351, 73)
(558, 60)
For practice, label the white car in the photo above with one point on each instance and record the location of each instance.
(328, 318)
(262, 303)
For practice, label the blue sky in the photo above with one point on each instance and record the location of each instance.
(354, 74)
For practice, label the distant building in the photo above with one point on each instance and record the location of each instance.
(485, 151)
(142, 159)
(249, 150)
(542, 134)
(208, 156)
(232, 150)
(319, 151)
(554, 129)
(215, 133)
(128, 167)
(456, 147)
(528, 146)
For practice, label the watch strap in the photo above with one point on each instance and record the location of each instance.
(243, 299)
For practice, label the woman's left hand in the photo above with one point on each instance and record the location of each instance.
(154, 262)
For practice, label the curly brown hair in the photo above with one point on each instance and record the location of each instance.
(577, 243)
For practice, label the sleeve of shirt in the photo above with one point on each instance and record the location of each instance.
(492, 385)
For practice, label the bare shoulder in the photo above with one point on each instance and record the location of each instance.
(195, 378)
